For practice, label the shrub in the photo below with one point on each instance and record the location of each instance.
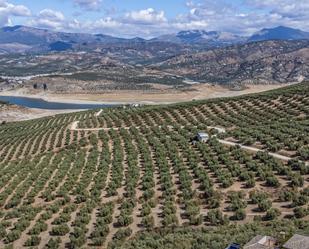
(12, 236)
(122, 234)
(146, 210)
(257, 196)
(272, 181)
(148, 221)
(264, 205)
(300, 212)
(250, 182)
(285, 195)
(272, 213)
(304, 153)
(300, 200)
(236, 200)
(38, 228)
(33, 241)
(169, 220)
(240, 214)
(215, 217)
(296, 180)
(60, 230)
(53, 243)
(125, 220)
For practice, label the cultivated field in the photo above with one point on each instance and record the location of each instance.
(96, 178)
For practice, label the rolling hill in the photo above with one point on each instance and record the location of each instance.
(253, 63)
(278, 55)
(279, 33)
(134, 178)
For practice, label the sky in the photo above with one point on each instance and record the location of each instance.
(151, 18)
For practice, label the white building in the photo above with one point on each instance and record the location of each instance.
(202, 137)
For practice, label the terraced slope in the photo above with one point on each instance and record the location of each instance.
(96, 178)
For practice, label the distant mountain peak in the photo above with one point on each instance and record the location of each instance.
(137, 39)
(285, 28)
(197, 36)
(11, 28)
(191, 32)
(279, 33)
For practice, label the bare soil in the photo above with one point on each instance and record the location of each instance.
(11, 113)
(160, 96)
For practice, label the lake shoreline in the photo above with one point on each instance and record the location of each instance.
(125, 97)
(113, 99)
(40, 103)
(14, 113)
(52, 99)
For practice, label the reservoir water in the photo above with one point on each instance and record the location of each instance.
(42, 104)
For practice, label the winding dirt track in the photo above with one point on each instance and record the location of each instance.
(253, 149)
(98, 113)
(74, 127)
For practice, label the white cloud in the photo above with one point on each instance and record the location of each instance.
(52, 15)
(89, 5)
(146, 16)
(222, 15)
(286, 8)
(8, 10)
(106, 23)
(193, 24)
(49, 19)
(252, 16)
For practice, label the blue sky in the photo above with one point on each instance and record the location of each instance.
(149, 18)
(172, 7)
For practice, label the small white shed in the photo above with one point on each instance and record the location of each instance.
(202, 137)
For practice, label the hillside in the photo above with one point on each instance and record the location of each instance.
(142, 67)
(98, 178)
(260, 62)
(87, 63)
(40, 40)
(279, 33)
(23, 39)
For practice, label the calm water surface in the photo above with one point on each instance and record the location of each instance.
(42, 104)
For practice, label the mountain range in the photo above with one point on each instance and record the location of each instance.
(278, 55)
(20, 39)
(214, 38)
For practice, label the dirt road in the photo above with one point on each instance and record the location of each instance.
(253, 149)
(74, 127)
(98, 113)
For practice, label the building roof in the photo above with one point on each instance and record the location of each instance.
(202, 134)
(297, 242)
(260, 242)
